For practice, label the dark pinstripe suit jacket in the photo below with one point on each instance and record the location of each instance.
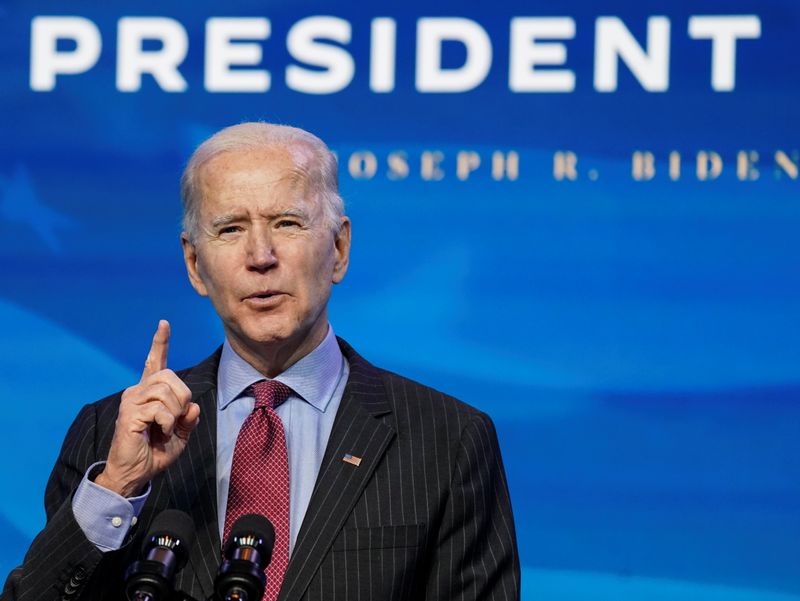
(425, 516)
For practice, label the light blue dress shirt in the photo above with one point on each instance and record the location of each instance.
(318, 382)
(104, 516)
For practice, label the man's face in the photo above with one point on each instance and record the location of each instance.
(264, 253)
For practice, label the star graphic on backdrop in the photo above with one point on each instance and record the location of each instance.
(20, 203)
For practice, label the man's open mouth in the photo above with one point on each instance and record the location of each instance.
(264, 294)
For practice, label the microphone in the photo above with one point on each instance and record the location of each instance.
(247, 553)
(165, 551)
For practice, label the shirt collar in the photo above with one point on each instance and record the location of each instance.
(313, 378)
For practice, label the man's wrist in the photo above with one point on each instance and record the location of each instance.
(105, 517)
(122, 488)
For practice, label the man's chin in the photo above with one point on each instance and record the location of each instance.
(276, 336)
(272, 336)
(267, 339)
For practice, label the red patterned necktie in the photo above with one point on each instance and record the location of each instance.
(260, 476)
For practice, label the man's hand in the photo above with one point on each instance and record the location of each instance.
(156, 417)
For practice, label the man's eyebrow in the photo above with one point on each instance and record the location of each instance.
(229, 218)
(297, 212)
(225, 219)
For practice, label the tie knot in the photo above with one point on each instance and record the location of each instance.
(270, 393)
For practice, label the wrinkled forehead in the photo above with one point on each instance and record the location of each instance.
(288, 172)
(305, 163)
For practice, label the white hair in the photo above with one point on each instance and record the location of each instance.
(320, 168)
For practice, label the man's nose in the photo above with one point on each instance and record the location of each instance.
(260, 250)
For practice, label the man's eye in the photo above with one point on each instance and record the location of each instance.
(288, 223)
(229, 229)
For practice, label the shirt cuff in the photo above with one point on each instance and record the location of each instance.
(104, 516)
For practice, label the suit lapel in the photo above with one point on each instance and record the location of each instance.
(356, 431)
(192, 480)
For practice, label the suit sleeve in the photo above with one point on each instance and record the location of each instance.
(476, 554)
(61, 561)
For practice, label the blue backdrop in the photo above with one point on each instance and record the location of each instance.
(588, 231)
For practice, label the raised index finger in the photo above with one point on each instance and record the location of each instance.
(157, 357)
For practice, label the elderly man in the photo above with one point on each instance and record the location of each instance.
(378, 487)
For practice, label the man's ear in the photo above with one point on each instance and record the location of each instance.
(342, 251)
(190, 259)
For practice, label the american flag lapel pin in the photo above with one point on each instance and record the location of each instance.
(352, 459)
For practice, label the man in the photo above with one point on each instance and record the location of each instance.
(379, 488)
